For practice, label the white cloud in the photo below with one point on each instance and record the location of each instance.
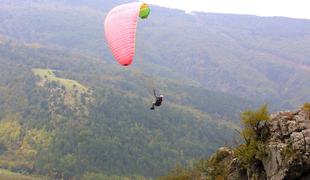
(287, 8)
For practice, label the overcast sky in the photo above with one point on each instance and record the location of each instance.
(286, 8)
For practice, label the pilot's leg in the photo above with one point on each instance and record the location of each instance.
(153, 106)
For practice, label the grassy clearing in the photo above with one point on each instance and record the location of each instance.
(48, 74)
(8, 175)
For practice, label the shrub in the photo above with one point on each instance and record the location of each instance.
(306, 106)
(254, 134)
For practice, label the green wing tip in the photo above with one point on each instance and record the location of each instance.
(144, 11)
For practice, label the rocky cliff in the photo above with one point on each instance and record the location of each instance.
(282, 153)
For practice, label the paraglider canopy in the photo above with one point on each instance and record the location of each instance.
(120, 29)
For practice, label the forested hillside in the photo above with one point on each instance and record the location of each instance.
(248, 56)
(65, 114)
(68, 110)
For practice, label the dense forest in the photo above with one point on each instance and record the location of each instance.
(248, 56)
(63, 117)
(68, 110)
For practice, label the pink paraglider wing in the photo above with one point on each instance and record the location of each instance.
(120, 31)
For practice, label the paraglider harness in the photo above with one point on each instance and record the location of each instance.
(158, 100)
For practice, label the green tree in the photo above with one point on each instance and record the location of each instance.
(254, 133)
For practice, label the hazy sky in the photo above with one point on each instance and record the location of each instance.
(287, 8)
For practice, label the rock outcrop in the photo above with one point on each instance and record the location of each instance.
(288, 146)
(286, 151)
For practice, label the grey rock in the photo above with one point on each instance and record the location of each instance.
(287, 150)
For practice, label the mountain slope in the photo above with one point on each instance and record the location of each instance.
(209, 66)
(248, 56)
(113, 132)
